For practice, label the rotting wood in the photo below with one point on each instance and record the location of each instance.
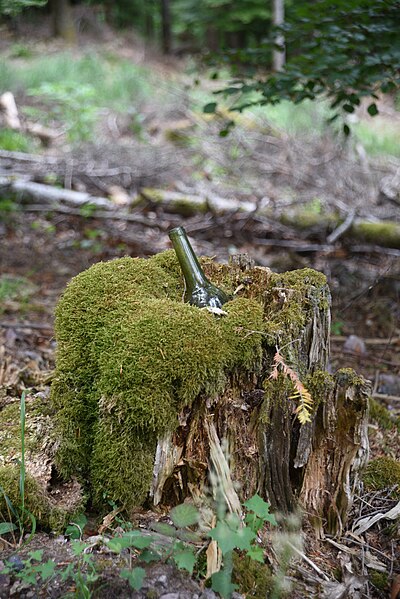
(28, 190)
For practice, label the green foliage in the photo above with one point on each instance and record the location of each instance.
(18, 512)
(14, 289)
(232, 22)
(14, 141)
(258, 513)
(230, 533)
(135, 577)
(74, 105)
(184, 515)
(344, 50)
(13, 7)
(75, 529)
(33, 569)
(75, 89)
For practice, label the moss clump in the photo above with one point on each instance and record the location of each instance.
(383, 473)
(384, 233)
(52, 513)
(380, 580)
(131, 355)
(46, 513)
(381, 415)
(253, 578)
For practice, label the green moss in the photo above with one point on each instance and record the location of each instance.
(131, 355)
(380, 580)
(47, 515)
(382, 233)
(319, 384)
(348, 377)
(381, 415)
(308, 217)
(10, 440)
(383, 473)
(253, 578)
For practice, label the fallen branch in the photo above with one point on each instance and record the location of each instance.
(28, 190)
(10, 111)
(102, 214)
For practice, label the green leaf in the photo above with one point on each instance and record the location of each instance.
(229, 539)
(78, 547)
(256, 553)
(210, 108)
(185, 560)
(138, 539)
(260, 507)
(6, 527)
(148, 555)
(221, 583)
(346, 130)
(135, 577)
(184, 515)
(36, 555)
(133, 538)
(75, 529)
(372, 109)
(163, 528)
(46, 570)
(348, 107)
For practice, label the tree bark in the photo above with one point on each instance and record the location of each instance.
(166, 26)
(63, 23)
(278, 17)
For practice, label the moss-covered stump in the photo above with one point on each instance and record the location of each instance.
(52, 502)
(147, 388)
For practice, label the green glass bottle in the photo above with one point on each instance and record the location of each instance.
(199, 291)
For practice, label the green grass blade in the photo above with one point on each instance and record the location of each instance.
(22, 466)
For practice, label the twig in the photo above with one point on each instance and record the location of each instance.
(386, 398)
(26, 325)
(370, 341)
(309, 562)
(341, 229)
(297, 245)
(147, 222)
(23, 157)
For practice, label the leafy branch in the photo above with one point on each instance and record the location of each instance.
(300, 394)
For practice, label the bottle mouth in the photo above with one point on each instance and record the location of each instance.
(177, 231)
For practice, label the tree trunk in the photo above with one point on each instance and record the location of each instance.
(166, 26)
(63, 23)
(278, 17)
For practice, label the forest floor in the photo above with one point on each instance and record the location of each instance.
(167, 143)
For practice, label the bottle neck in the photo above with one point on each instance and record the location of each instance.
(192, 271)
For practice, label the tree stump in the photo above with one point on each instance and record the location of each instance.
(152, 395)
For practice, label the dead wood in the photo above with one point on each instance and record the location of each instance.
(29, 190)
(10, 111)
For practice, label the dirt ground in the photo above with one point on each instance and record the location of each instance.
(40, 252)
